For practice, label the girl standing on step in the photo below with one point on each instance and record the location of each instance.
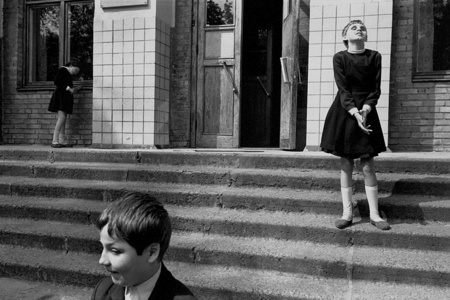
(352, 129)
(62, 102)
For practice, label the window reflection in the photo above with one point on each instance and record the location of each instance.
(219, 12)
(44, 48)
(81, 18)
(433, 53)
(441, 49)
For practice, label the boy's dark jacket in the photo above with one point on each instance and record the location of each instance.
(167, 288)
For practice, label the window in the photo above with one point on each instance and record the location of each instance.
(58, 32)
(432, 40)
(219, 12)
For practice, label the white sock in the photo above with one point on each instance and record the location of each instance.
(62, 139)
(347, 204)
(372, 198)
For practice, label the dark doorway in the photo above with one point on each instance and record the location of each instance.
(261, 73)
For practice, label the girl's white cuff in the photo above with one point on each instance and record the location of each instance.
(353, 111)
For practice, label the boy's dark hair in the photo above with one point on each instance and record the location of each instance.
(344, 31)
(140, 220)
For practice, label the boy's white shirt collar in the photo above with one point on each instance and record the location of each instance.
(143, 290)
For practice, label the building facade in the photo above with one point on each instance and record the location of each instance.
(218, 74)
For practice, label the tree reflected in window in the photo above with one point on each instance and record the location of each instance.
(219, 12)
(44, 46)
(81, 24)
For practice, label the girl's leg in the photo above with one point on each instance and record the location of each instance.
(60, 126)
(62, 133)
(371, 186)
(346, 192)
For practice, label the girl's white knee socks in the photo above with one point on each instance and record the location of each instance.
(372, 197)
(347, 204)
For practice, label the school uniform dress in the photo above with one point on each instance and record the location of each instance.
(358, 78)
(61, 98)
(167, 288)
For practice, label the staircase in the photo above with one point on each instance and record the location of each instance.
(247, 224)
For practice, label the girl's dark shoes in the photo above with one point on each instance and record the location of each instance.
(61, 145)
(382, 225)
(57, 145)
(341, 223)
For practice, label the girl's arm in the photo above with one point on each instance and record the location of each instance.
(345, 95)
(372, 98)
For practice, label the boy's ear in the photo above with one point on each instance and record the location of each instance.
(153, 252)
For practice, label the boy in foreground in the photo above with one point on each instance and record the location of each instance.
(135, 233)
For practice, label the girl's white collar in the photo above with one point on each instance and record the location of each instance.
(356, 51)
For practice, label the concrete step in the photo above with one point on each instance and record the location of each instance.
(220, 281)
(247, 224)
(420, 208)
(432, 236)
(315, 259)
(418, 163)
(396, 183)
(20, 289)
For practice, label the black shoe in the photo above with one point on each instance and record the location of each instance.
(382, 225)
(57, 145)
(341, 223)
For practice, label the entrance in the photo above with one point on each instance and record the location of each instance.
(246, 74)
(261, 73)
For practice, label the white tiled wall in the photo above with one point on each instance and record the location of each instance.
(327, 19)
(131, 82)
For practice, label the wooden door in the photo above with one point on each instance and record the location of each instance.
(290, 74)
(217, 117)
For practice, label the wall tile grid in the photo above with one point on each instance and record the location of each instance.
(326, 24)
(131, 85)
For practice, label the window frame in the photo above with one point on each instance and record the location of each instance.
(418, 76)
(63, 42)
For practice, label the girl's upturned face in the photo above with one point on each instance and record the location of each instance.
(356, 32)
(121, 260)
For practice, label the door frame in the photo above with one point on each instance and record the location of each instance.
(288, 101)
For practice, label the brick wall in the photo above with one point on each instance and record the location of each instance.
(25, 117)
(419, 112)
(180, 102)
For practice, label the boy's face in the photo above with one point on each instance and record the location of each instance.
(126, 267)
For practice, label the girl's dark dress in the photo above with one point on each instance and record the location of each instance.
(358, 77)
(61, 98)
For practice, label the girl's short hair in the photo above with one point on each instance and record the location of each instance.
(138, 219)
(344, 31)
(69, 64)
